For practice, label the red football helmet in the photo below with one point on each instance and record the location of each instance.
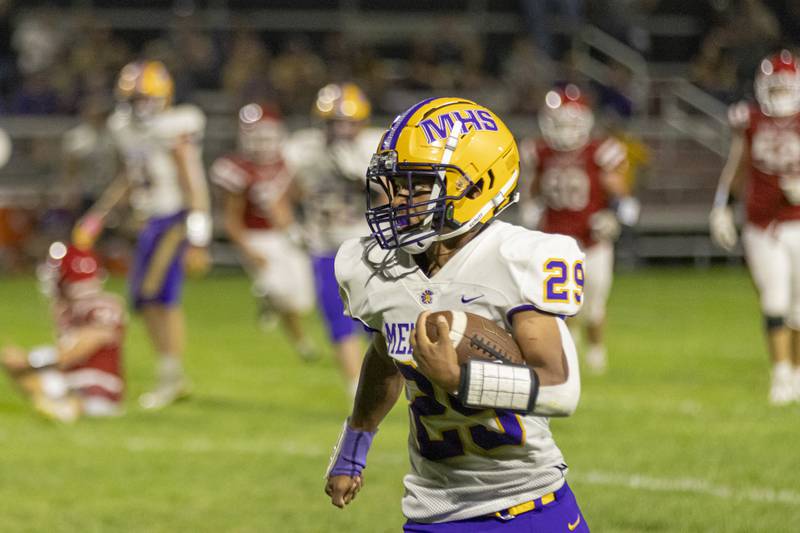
(261, 133)
(566, 119)
(69, 271)
(777, 85)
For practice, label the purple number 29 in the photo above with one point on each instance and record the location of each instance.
(564, 281)
(511, 432)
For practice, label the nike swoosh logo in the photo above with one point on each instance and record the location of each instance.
(573, 526)
(465, 300)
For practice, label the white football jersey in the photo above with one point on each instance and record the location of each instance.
(146, 151)
(333, 177)
(467, 462)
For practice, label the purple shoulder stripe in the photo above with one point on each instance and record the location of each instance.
(530, 307)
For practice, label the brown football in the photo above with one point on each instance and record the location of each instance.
(476, 337)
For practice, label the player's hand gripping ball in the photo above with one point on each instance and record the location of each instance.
(468, 336)
(474, 336)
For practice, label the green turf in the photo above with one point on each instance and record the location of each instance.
(677, 437)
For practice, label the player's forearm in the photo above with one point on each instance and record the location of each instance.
(378, 389)
(78, 345)
(732, 173)
(191, 176)
(541, 344)
(111, 197)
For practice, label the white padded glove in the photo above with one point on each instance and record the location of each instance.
(790, 184)
(723, 228)
(604, 225)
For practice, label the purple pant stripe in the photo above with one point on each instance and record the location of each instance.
(330, 303)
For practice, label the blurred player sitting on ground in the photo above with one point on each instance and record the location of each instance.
(482, 456)
(330, 163)
(580, 187)
(163, 178)
(259, 217)
(82, 373)
(764, 167)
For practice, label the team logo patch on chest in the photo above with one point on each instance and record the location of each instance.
(426, 297)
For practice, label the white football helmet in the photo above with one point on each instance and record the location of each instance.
(261, 133)
(777, 85)
(566, 119)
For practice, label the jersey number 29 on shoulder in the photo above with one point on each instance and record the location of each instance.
(564, 281)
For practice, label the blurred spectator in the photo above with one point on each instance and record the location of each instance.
(543, 16)
(36, 96)
(245, 75)
(38, 40)
(197, 53)
(731, 52)
(528, 73)
(450, 59)
(297, 73)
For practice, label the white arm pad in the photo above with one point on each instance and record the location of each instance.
(198, 228)
(562, 399)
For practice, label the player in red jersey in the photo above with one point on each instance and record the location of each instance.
(764, 167)
(579, 188)
(259, 219)
(82, 373)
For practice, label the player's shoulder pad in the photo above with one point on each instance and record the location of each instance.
(610, 153)
(546, 270)
(739, 115)
(369, 139)
(353, 274)
(227, 172)
(302, 146)
(180, 121)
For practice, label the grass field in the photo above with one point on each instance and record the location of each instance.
(676, 437)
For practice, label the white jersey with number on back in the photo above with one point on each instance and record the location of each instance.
(467, 462)
(333, 177)
(146, 151)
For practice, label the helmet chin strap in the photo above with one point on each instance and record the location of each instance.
(491, 204)
(436, 192)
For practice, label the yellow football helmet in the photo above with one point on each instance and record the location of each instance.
(342, 102)
(145, 84)
(465, 155)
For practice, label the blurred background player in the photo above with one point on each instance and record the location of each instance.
(579, 185)
(82, 372)
(330, 164)
(764, 166)
(259, 218)
(163, 179)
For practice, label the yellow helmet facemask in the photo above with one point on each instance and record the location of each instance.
(459, 154)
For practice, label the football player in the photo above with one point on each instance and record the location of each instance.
(163, 179)
(580, 186)
(329, 163)
(259, 216)
(82, 373)
(482, 455)
(763, 167)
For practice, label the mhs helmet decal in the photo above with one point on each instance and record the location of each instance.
(439, 127)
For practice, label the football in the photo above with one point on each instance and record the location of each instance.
(477, 337)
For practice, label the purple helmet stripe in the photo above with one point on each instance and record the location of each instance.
(390, 139)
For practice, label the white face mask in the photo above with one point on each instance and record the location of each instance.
(566, 128)
(779, 94)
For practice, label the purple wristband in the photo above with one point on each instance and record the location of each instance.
(351, 452)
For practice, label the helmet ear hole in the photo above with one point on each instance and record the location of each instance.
(475, 190)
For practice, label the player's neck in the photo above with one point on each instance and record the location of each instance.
(440, 252)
